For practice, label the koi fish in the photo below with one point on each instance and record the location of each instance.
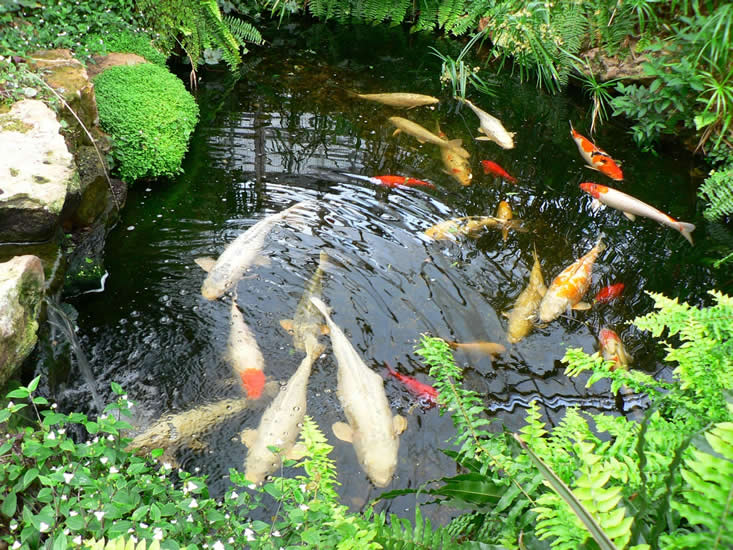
(570, 285)
(491, 127)
(612, 349)
(427, 394)
(244, 354)
(596, 157)
(608, 293)
(392, 181)
(372, 428)
(242, 252)
(423, 135)
(173, 431)
(467, 225)
(456, 166)
(505, 214)
(484, 348)
(494, 169)
(632, 207)
(399, 99)
(524, 313)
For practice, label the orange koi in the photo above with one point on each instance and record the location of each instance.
(612, 349)
(494, 169)
(569, 286)
(596, 157)
(426, 394)
(392, 181)
(608, 293)
(253, 382)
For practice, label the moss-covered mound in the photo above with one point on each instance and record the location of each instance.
(149, 115)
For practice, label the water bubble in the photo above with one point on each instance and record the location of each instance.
(165, 320)
(130, 227)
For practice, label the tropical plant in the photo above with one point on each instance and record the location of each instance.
(149, 115)
(458, 74)
(198, 26)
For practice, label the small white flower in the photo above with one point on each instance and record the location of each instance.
(110, 437)
(77, 540)
(104, 460)
(193, 504)
(51, 435)
(62, 431)
(113, 470)
(10, 406)
(218, 545)
(144, 525)
(226, 516)
(234, 495)
(167, 465)
(43, 527)
(158, 533)
(13, 525)
(64, 497)
(99, 515)
(302, 487)
(303, 507)
(189, 519)
(131, 530)
(252, 486)
(249, 534)
(73, 513)
(191, 486)
(16, 545)
(276, 533)
(174, 521)
(68, 476)
(133, 538)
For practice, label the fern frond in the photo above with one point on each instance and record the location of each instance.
(707, 503)
(718, 191)
(400, 534)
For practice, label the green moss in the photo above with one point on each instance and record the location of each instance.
(126, 42)
(149, 115)
(10, 124)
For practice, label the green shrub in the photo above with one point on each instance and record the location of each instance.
(149, 115)
(126, 42)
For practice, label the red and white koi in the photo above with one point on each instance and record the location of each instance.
(494, 169)
(567, 289)
(596, 157)
(612, 349)
(631, 207)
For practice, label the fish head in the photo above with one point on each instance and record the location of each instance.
(612, 348)
(504, 211)
(210, 290)
(595, 190)
(379, 465)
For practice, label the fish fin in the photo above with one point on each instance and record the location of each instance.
(287, 324)
(630, 216)
(205, 263)
(483, 138)
(399, 423)
(505, 233)
(272, 388)
(325, 330)
(343, 431)
(686, 229)
(591, 167)
(248, 437)
(262, 261)
(596, 205)
(505, 314)
(397, 131)
(581, 306)
(298, 451)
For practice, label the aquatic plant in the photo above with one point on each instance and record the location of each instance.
(149, 115)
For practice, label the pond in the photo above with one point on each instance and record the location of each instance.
(285, 133)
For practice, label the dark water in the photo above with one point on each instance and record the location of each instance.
(281, 135)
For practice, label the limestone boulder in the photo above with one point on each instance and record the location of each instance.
(37, 172)
(21, 293)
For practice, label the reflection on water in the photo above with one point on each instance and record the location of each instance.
(284, 135)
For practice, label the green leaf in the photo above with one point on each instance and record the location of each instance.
(34, 384)
(9, 505)
(29, 477)
(19, 393)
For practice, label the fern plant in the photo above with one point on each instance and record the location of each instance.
(718, 191)
(198, 25)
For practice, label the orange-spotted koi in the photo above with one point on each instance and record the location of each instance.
(596, 157)
(631, 207)
(570, 285)
(608, 293)
(612, 349)
(392, 180)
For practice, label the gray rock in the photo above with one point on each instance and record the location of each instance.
(37, 172)
(21, 292)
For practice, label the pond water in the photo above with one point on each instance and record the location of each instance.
(283, 134)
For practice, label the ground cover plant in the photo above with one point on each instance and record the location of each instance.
(662, 480)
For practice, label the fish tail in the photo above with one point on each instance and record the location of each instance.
(390, 369)
(686, 229)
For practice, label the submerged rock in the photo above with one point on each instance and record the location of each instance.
(37, 172)
(21, 292)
